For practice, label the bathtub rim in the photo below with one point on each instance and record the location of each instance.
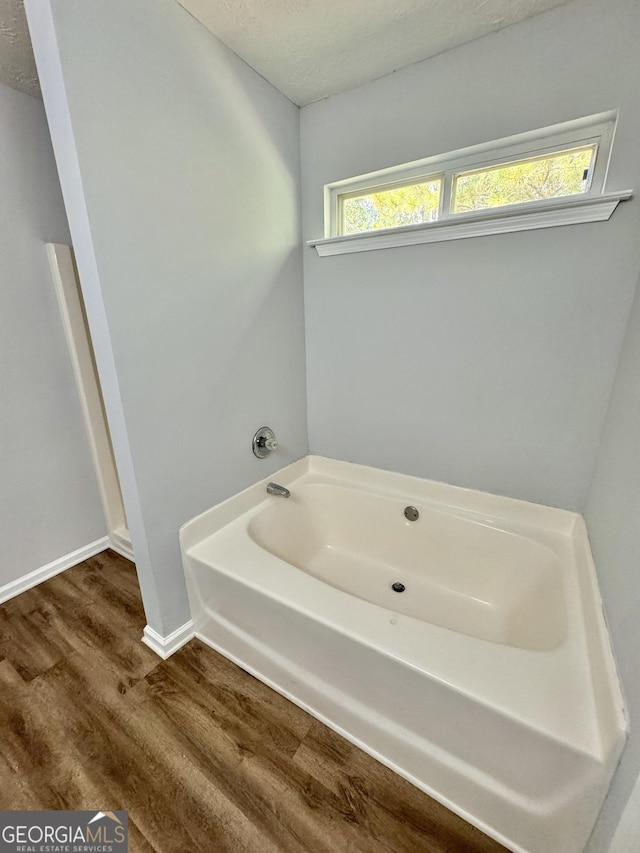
(461, 498)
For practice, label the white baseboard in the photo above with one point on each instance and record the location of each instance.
(120, 542)
(10, 590)
(166, 646)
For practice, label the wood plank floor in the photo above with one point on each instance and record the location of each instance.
(204, 757)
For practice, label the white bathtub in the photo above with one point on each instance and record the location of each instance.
(488, 682)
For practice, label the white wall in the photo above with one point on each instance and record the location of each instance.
(485, 362)
(180, 170)
(613, 520)
(627, 834)
(49, 501)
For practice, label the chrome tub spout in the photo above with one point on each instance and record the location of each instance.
(275, 489)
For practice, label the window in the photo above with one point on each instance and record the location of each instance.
(393, 207)
(563, 173)
(549, 169)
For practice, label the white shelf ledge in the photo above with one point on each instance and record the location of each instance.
(544, 214)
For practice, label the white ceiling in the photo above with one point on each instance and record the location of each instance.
(17, 65)
(313, 48)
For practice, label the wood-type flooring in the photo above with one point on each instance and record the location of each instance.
(204, 757)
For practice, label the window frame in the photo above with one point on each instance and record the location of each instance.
(598, 130)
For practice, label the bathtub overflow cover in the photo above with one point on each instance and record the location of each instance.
(398, 587)
(411, 513)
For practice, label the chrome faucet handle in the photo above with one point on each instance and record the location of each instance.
(264, 441)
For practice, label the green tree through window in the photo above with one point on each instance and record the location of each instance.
(553, 176)
(409, 205)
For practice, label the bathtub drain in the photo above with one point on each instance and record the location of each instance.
(398, 587)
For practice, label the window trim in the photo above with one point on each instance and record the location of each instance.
(590, 130)
(570, 210)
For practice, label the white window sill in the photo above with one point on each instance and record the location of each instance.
(544, 214)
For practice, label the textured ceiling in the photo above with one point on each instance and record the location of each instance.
(313, 48)
(310, 48)
(17, 65)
